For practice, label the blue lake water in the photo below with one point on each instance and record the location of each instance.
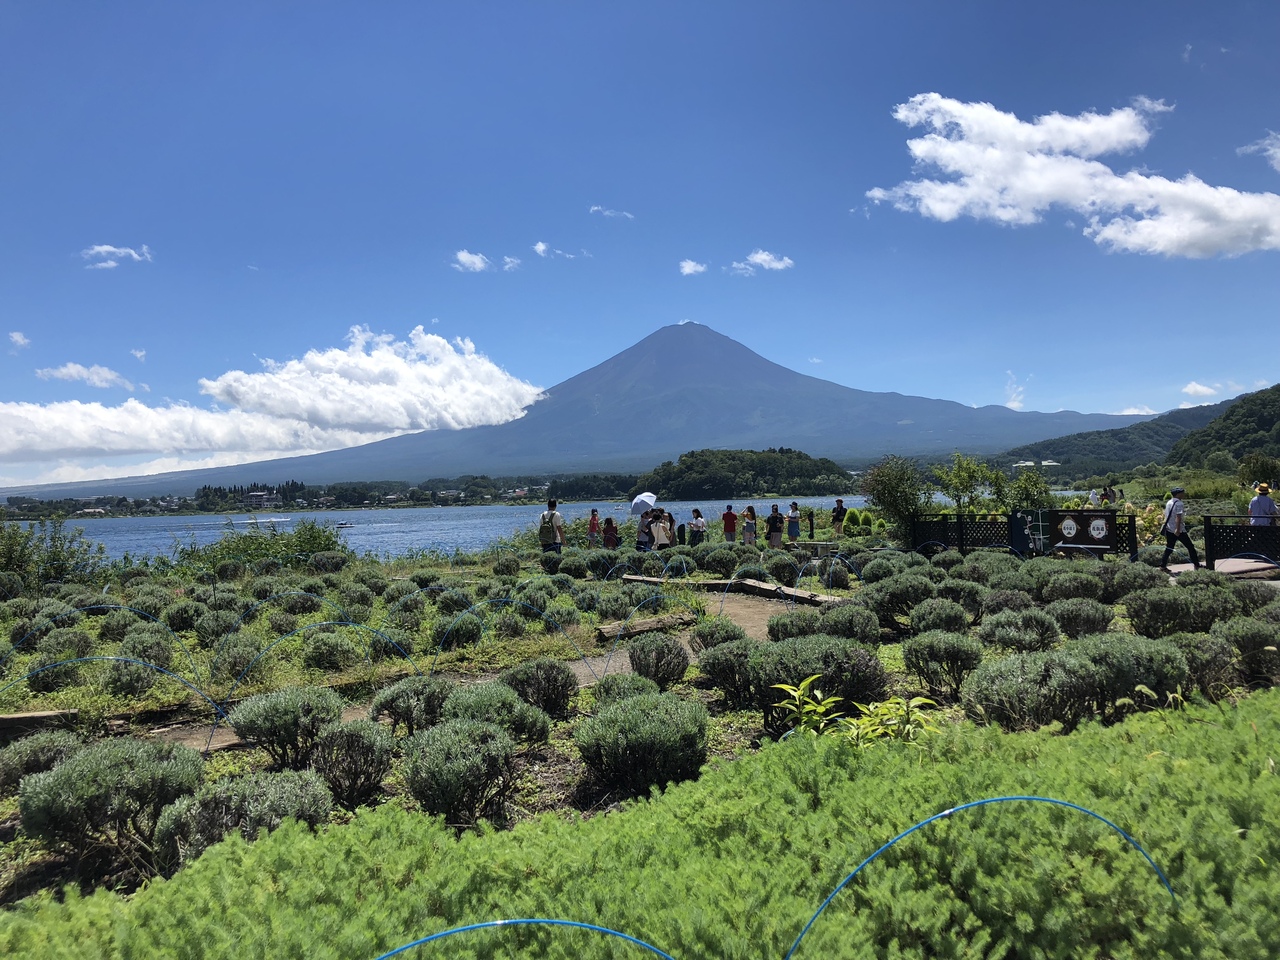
(390, 532)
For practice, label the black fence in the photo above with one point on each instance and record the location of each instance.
(1232, 536)
(1031, 532)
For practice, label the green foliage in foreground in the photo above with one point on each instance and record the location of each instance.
(734, 865)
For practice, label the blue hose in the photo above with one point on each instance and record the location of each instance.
(528, 922)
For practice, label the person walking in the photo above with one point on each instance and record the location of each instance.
(551, 529)
(838, 513)
(1262, 509)
(730, 521)
(773, 528)
(1175, 530)
(749, 526)
(697, 528)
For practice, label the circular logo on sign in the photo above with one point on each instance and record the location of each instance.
(1068, 528)
(1098, 529)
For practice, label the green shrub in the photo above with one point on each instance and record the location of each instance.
(845, 669)
(833, 573)
(561, 612)
(460, 631)
(424, 578)
(966, 593)
(1078, 616)
(507, 565)
(403, 595)
(1018, 580)
(237, 655)
(245, 805)
(1203, 578)
(1212, 663)
(47, 673)
(1252, 594)
(600, 562)
(939, 614)
(850, 620)
(1258, 644)
(214, 626)
(353, 758)
(332, 652)
(722, 561)
(645, 741)
(794, 623)
(660, 658)
(497, 703)
(1159, 612)
(508, 623)
(677, 565)
(896, 597)
(454, 600)
(713, 631)
(461, 770)
(550, 561)
(882, 568)
(999, 600)
(65, 642)
(329, 561)
(115, 625)
(751, 571)
(1023, 630)
(372, 578)
(1132, 577)
(781, 568)
(285, 723)
(544, 683)
(1066, 586)
(612, 607)
(947, 559)
(110, 793)
(942, 660)
(1028, 690)
(228, 570)
(730, 667)
(263, 588)
(413, 703)
(35, 753)
(300, 603)
(613, 687)
(574, 565)
(1121, 663)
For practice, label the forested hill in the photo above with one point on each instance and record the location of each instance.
(1098, 452)
(722, 474)
(1252, 425)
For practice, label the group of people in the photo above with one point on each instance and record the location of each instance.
(1262, 513)
(656, 528)
(1109, 496)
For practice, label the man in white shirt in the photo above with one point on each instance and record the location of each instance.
(1175, 530)
(1262, 509)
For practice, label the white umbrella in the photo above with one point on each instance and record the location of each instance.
(644, 502)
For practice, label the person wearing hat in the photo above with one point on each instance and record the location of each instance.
(1175, 530)
(793, 522)
(838, 513)
(1262, 509)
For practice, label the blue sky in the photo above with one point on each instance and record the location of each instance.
(238, 231)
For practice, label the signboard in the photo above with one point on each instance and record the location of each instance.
(1091, 529)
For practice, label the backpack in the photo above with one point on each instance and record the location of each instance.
(547, 528)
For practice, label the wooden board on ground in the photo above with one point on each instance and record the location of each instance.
(757, 587)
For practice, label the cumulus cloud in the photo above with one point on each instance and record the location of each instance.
(540, 248)
(762, 259)
(996, 167)
(1142, 410)
(1194, 389)
(510, 263)
(815, 359)
(103, 256)
(689, 268)
(1268, 146)
(610, 213)
(469, 262)
(377, 387)
(94, 376)
(140, 354)
(18, 339)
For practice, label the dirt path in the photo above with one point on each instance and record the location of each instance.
(750, 613)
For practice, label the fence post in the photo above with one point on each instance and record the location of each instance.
(960, 544)
(1210, 543)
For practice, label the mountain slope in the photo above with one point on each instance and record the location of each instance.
(683, 387)
(1111, 451)
(1252, 425)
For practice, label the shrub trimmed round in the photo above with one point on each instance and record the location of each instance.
(1028, 690)
(942, 660)
(544, 683)
(497, 703)
(459, 631)
(644, 741)
(613, 687)
(1021, 630)
(793, 623)
(941, 614)
(247, 805)
(845, 669)
(353, 758)
(286, 722)
(966, 593)
(658, 657)
(331, 652)
(999, 600)
(35, 753)
(897, 596)
(413, 703)
(1065, 586)
(1258, 643)
(713, 631)
(731, 667)
(1078, 616)
(1132, 577)
(1212, 662)
(851, 621)
(461, 770)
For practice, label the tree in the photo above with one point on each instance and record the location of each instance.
(1028, 491)
(897, 488)
(966, 476)
(1258, 468)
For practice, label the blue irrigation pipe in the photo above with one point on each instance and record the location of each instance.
(965, 806)
(526, 922)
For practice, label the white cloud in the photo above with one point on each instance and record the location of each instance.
(469, 262)
(1194, 389)
(18, 339)
(689, 268)
(1186, 53)
(1140, 411)
(738, 268)
(610, 213)
(540, 248)
(103, 256)
(1268, 146)
(140, 354)
(765, 259)
(510, 263)
(1014, 392)
(815, 359)
(377, 387)
(997, 167)
(94, 376)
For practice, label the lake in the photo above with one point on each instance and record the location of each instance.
(390, 532)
